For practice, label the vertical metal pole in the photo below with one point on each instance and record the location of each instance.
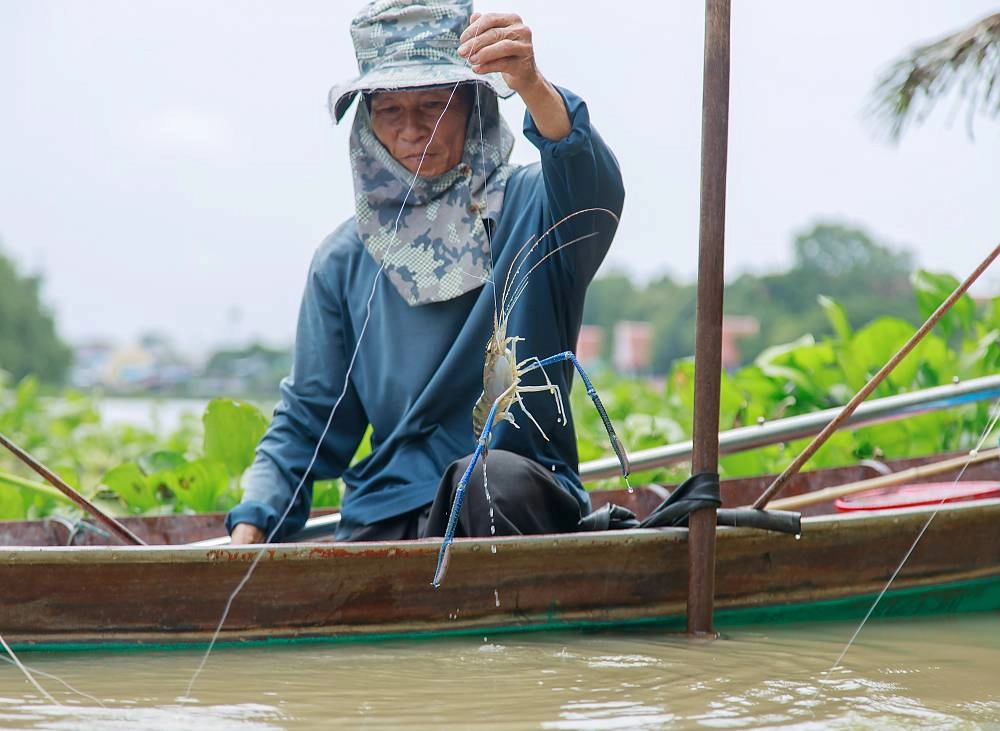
(708, 337)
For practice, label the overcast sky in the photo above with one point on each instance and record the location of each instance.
(170, 166)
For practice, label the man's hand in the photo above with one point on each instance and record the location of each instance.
(501, 42)
(245, 533)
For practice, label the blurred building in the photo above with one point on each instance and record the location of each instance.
(589, 345)
(90, 360)
(632, 353)
(149, 365)
(733, 327)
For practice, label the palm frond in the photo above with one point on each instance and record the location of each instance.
(968, 61)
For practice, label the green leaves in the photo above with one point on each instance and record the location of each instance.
(167, 480)
(837, 316)
(933, 289)
(201, 485)
(232, 431)
(806, 375)
(21, 497)
(134, 488)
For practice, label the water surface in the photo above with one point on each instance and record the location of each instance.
(939, 673)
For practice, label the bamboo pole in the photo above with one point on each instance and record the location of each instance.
(708, 323)
(820, 439)
(57, 482)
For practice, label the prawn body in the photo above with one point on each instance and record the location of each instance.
(499, 377)
(502, 387)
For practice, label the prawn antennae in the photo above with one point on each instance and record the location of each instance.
(522, 256)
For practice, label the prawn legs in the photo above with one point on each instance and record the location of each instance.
(482, 446)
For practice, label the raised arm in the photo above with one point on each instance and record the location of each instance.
(578, 168)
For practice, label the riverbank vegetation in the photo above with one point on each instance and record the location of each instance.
(198, 466)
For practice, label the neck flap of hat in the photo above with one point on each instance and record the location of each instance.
(441, 248)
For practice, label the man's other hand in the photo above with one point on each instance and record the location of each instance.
(501, 42)
(245, 533)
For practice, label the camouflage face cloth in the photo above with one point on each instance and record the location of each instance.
(441, 249)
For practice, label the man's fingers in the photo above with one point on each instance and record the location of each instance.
(480, 23)
(500, 42)
(245, 533)
(502, 65)
(516, 50)
(493, 37)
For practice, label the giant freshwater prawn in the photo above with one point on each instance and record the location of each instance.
(502, 374)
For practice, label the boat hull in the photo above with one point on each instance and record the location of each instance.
(168, 595)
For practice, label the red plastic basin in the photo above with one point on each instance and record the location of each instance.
(909, 496)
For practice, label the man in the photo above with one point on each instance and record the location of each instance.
(395, 314)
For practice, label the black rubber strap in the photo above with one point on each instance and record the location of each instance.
(695, 493)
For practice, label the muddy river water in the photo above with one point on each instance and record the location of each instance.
(937, 673)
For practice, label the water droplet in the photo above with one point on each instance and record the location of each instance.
(798, 536)
(493, 548)
(553, 468)
(493, 530)
(496, 595)
(628, 484)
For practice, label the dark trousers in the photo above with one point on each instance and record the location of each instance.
(525, 499)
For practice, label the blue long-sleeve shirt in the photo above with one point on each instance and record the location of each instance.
(419, 370)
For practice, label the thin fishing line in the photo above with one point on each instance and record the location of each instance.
(329, 421)
(989, 429)
(56, 678)
(489, 241)
(486, 201)
(27, 673)
(486, 193)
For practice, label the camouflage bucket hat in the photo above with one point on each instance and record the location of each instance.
(405, 44)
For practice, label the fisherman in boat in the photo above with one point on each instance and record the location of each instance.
(401, 298)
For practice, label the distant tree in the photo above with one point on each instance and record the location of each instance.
(868, 278)
(835, 251)
(29, 344)
(610, 298)
(968, 61)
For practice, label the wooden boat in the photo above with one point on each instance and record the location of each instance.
(54, 595)
(82, 595)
